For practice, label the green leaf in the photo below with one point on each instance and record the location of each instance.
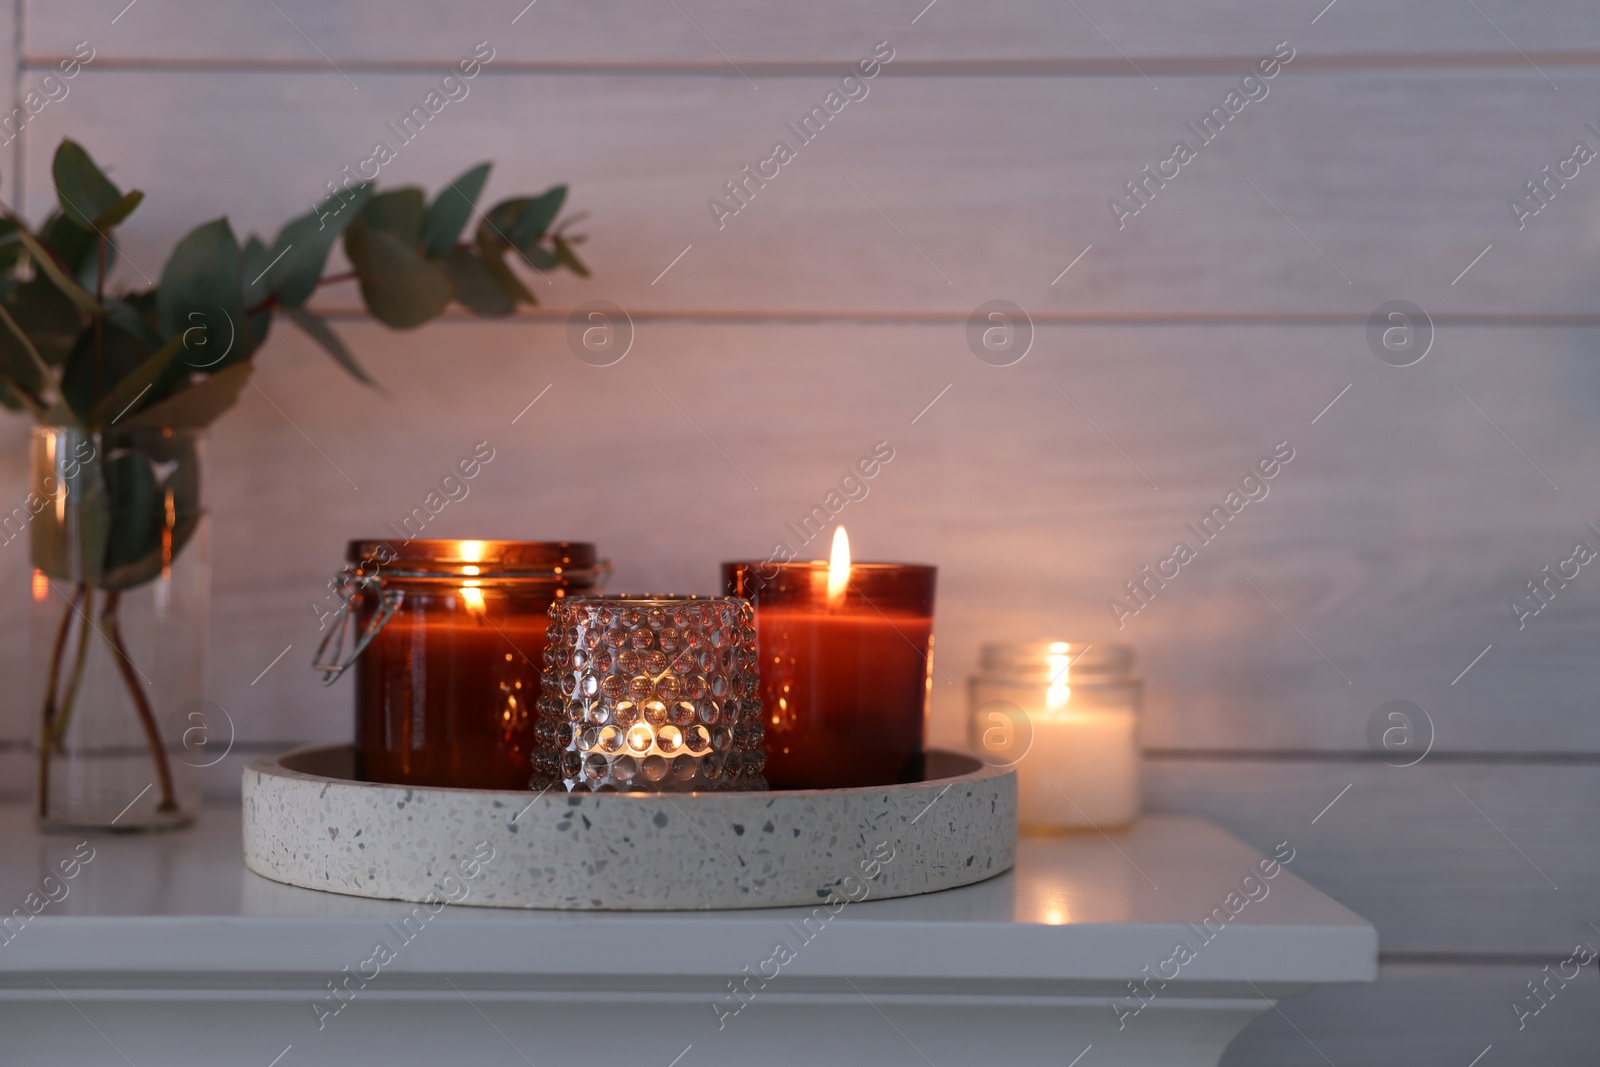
(200, 297)
(168, 509)
(398, 213)
(118, 212)
(10, 398)
(85, 193)
(537, 215)
(450, 210)
(19, 359)
(137, 510)
(133, 313)
(302, 246)
(491, 259)
(148, 567)
(83, 384)
(400, 288)
(565, 254)
(253, 262)
(320, 333)
(497, 224)
(49, 319)
(11, 247)
(196, 405)
(73, 245)
(136, 386)
(254, 259)
(539, 258)
(46, 262)
(522, 221)
(476, 284)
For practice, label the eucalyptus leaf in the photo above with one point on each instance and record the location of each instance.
(87, 380)
(301, 248)
(196, 405)
(135, 387)
(539, 257)
(149, 566)
(200, 298)
(450, 210)
(117, 213)
(565, 254)
(172, 515)
(400, 288)
(476, 285)
(489, 254)
(497, 224)
(138, 510)
(10, 398)
(83, 189)
(69, 287)
(128, 315)
(536, 216)
(319, 332)
(51, 321)
(73, 245)
(11, 247)
(19, 359)
(399, 213)
(254, 259)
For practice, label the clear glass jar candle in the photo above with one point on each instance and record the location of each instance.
(1067, 715)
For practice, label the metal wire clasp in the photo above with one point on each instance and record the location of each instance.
(348, 584)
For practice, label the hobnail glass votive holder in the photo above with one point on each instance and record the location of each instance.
(651, 693)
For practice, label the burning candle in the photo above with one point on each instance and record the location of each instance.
(447, 640)
(1067, 716)
(845, 666)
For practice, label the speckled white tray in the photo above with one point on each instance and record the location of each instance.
(309, 823)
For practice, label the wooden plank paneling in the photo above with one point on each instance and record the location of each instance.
(1394, 540)
(1429, 1014)
(828, 313)
(704, 31)
(931, 195)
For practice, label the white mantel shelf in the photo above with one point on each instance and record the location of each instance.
(166, 952)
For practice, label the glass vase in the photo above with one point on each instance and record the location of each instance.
(120, 590)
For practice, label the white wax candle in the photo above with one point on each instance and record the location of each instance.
(1081, 771)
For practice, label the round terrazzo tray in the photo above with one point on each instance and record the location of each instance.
(309, 823)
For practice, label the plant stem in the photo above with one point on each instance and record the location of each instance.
(80, 660)
(147, 718)
(48, 712)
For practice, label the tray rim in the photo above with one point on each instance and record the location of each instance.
(273, 765)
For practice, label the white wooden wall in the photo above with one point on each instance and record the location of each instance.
(1225, 317)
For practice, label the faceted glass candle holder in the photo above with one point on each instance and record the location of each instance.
(648, 694)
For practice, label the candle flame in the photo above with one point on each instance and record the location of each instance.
(473, 596)
(839, 566)
(1059, 692)
(472, 551)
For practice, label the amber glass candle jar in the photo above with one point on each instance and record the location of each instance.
(844, 669)
(448, 642)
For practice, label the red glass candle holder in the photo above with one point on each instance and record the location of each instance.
(844, 679)
(447, 640)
